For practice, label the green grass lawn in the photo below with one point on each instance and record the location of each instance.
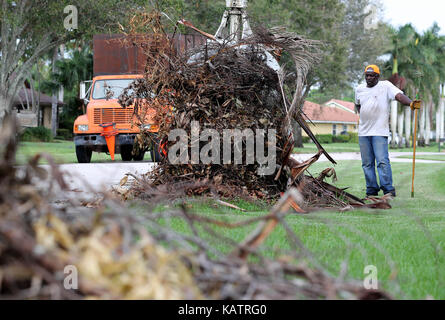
(354, 147)
(64, 151)
(61, 151)
(427, 157)
(406, 243)
(403, 242)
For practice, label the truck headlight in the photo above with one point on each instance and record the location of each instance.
(146, 126)
(82, 127)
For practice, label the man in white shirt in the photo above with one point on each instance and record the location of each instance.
(372, 101)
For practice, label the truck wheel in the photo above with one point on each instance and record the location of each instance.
(154, 152)
(83, 154)
(139, 156)
(126, 152)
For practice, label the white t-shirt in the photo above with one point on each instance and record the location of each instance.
(375, 107)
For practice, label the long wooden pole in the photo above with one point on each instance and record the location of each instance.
(414, 152)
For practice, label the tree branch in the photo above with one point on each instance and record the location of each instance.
(44, 45)
(4, 41)
(20, 19)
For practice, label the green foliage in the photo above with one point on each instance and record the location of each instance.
(420, 59)
(65, 134)
(69, 73)
(365, 45)
(324, 138)
(306, 139)
(318, 20)
(205, 15)
(341, 138)
(353, 137)
(37, 134)
(350, 137)
(32, 29)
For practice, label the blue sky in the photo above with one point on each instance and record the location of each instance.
(421, 13)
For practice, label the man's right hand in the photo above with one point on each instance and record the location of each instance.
(416, 104)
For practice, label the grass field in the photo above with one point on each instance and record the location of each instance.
(427, 157)
(62, 152)
(354, 147)
(405, 243)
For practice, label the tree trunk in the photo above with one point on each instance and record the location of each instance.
(400, 129)
(428, 109)
(407, 126)
(421, 114)
(298, 136)
(441, 108)
(438, 123)
(394, 106)
(54, 99)
(5, 105)
(442, 117)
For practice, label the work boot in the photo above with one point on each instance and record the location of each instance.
(372, 195)
(369, 196)
(392, 193)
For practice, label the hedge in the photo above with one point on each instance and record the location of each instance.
(324, 138)
(65, 134)
(342, 138)
(329, 138)
(36, 134)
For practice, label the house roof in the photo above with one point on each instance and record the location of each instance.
(44, 99)
(330, 113)
(341, 104)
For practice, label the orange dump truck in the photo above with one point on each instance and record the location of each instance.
(91, 130)
(106, 126)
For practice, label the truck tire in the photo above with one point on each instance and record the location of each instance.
(139, 156)
(83, 154)
(126, 152)
(154, 152)
(155, 156)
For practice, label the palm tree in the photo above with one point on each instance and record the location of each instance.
(421, 61)
(432, 64)
(68, 73)
(403, 42)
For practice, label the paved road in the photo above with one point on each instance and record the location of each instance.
(393, 156)
(101, 175)
(85, 179)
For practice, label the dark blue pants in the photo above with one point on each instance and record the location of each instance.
(374, 149)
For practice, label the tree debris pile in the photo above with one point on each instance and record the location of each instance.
(234, 90)
(221, 87)
(39, 245)
(115, 252)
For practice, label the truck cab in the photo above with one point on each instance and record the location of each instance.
(103, 108)
(117, 62)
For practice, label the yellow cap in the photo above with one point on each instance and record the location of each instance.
(372, 68)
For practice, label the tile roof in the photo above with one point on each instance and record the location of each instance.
(347, 104)
(316, 112)
(44, 99)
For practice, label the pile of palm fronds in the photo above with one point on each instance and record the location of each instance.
(117, 252)
(226, 86)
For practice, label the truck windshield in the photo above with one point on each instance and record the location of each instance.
(110, 89)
